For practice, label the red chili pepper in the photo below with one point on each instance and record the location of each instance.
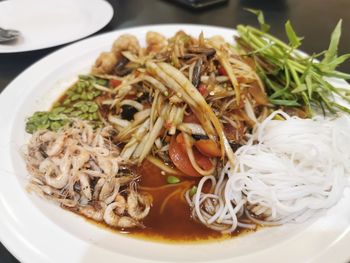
(202, 89)
(222, 71)
(114, 83)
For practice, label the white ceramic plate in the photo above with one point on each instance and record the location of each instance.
(35, 230)
(48, 23)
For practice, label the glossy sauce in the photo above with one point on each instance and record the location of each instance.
(174, 223)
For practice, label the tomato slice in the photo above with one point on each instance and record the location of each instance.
(180, 158)
(202, 160)
(178, 155)
(208, 148)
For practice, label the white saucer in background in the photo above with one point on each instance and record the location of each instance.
(48, 23)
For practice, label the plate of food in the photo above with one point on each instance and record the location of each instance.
(177, 143)
(49, 23)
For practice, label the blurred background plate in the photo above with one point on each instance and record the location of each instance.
(51, 23)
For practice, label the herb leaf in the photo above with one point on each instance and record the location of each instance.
(293, 79)
(261, 19)
(294, 40)
(331, 53)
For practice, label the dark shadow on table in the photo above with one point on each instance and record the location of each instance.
(203, 7)
(5, 256)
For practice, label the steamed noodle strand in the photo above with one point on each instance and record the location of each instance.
(288, 171)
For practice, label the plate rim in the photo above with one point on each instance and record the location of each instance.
(8, 90)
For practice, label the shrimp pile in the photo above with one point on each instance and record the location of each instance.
(80, 168)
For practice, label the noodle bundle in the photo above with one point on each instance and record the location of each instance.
(288, 171)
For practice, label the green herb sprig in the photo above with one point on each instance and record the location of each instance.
(292, 78)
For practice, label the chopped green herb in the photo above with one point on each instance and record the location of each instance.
(293, 79)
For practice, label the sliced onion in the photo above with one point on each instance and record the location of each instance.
(141, 115)
(157, 84)
(160, 164)
(132, 103)
(118, 121)
(191, 128)
(192, 159)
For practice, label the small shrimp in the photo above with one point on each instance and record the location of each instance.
(50, 191)
(94, 173)
(121, 204)
(85, 185)
(94, 211)
(97, 150)
(125, 179)
(46, 166)
(52, 175)
(115, 166)
(155, 41)
(105, 63)
(80, 157)
(109, 166)
(98, 140)
(38, 189)
(59, 181)
(87, 135)
(98, 187)
(139, 205)
(57, 146)
(107, 189)
(93, 165)
(45, 136)
(65, 164)
(126, 42)
(68, 202)
(104, 164)
(112, 218)
(114, 194)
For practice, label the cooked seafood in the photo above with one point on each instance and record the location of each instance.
(79, 168)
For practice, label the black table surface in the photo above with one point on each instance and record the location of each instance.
(313, 19)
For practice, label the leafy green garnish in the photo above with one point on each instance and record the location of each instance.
(294, 40)
(293, 79)
(331, 53)
(261, 19)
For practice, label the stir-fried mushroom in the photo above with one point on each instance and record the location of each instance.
(197, 72)
(120, 69)
(201, 50)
